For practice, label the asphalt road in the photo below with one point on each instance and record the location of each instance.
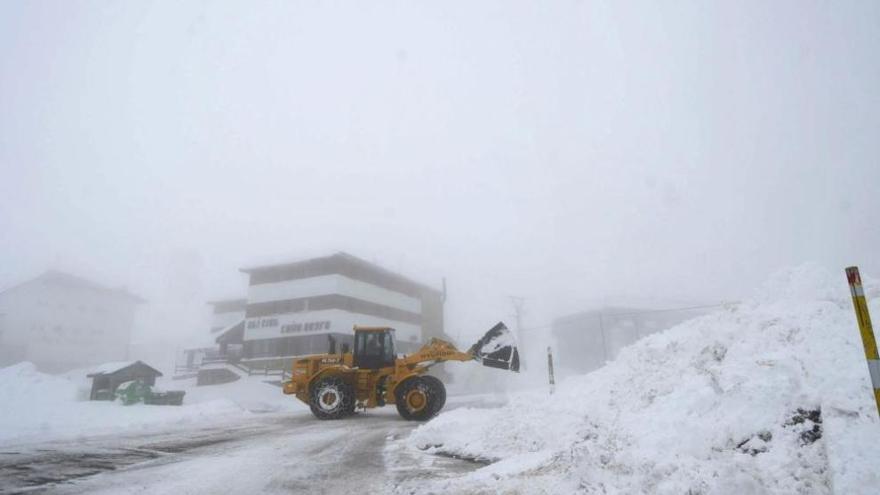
(268, 453)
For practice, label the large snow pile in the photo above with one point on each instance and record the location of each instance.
(250, 393)
(37, 406)
(770, 396)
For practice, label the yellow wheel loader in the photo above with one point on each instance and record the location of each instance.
(373, 375)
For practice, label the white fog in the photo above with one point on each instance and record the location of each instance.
(665, 195)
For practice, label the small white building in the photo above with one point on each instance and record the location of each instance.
(226, 313)
(60, 322)
(227, 326)
(588, 340)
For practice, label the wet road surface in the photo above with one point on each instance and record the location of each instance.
(267, 453)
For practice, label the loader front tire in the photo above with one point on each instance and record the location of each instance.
(440, 392)
(332, 398)
(417, 398)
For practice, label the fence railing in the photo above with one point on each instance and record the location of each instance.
(252, 369)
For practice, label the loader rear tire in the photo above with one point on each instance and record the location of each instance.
(332, 398)
(417, 398)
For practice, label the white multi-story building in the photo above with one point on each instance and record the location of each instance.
(59, 322)
(298, 308)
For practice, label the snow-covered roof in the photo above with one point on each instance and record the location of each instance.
(283, 258)
(635, 309)
(59, 278)
(110, 368)
(227, 331)
(113, 367)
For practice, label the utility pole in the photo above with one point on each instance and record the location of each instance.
(604, 344)
(443, 313)
(518, 312)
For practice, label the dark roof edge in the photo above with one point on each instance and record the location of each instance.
(215, 302)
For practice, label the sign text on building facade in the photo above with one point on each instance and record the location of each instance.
(293, 327)
(311, 326)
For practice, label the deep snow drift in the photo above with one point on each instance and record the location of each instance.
(709, 406)
(41, 407)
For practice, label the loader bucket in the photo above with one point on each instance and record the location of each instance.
(497, 349)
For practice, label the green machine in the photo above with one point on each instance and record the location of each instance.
(136, 391)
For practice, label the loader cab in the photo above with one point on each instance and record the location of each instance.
(373, 347)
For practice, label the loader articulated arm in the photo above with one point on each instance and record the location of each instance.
(438, 351)
(497, 349)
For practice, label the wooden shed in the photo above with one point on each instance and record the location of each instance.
(107, 377)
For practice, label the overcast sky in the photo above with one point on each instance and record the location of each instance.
(567, 152)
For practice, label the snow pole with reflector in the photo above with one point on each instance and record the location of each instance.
(865, 328)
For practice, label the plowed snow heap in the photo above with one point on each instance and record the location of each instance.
(768, 396)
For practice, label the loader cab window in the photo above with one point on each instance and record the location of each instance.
(373, 350)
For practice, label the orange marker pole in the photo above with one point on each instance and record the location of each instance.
(865, 328)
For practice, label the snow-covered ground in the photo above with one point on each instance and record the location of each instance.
(729, 403)
(284, 452)
(245, 437)
(42, 407)
(769, 396)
